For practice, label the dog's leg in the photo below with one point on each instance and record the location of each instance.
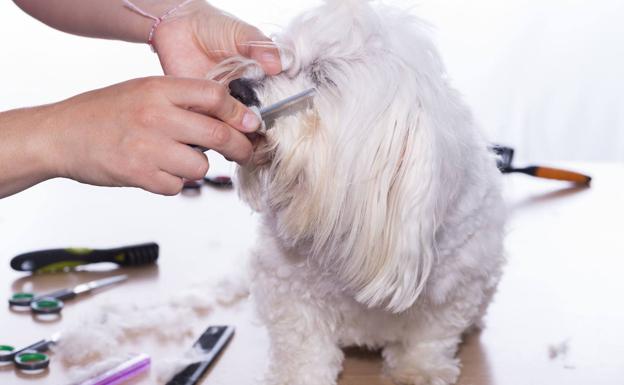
(302, 351)
(423, 362)
(300, 322)
(426, 352)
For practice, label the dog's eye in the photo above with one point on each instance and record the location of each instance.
(243, 91)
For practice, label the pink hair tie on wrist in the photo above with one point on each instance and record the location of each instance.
(157, 19)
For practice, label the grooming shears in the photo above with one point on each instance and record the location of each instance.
(52, 303)
(30, 357)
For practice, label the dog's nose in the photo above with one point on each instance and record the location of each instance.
(243, 90)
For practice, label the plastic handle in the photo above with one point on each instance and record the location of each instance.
(557, 174)
(21, 299)
(46, 305)
(571, 176)
(31, 360)
(59, 259)
(7, 353)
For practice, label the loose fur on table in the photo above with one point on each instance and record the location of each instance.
(382, 221)
(102, 339)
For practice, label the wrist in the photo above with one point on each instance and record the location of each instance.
(150, 15)
(43, 145)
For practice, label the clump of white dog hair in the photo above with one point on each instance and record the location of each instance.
(96, 342)
(560, 351)
(80, 374)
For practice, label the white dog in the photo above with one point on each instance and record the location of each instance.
(382, 221)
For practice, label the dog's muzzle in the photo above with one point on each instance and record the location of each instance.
(243, 91)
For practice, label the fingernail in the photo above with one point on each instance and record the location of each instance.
(251, 121)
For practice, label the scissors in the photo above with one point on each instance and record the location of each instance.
(52, 303)
(31, 357)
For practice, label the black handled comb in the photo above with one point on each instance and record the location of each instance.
(53, 260)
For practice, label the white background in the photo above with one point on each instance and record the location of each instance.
(546, 76)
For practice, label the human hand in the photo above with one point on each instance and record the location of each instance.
(198, 36)
(137, 133)
(189, 42)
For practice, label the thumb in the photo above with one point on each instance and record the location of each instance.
(252, 43)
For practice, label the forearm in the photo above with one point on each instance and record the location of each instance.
(107, 19)
(24, 145)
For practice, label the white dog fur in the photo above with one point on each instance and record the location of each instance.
(382, 221)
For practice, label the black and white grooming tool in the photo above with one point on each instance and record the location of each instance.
(209, 345)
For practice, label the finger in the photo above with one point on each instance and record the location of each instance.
(214, 99)
(183, 161)
(252, 43)
(164, 183)
(200, 130)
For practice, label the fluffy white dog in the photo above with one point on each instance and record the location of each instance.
(382, 221)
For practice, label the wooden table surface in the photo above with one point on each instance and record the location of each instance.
(563, 284)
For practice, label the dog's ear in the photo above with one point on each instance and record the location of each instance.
(384, 236)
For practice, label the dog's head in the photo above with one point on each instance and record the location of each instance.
(351, 183)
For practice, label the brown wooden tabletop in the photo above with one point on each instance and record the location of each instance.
(562, 287)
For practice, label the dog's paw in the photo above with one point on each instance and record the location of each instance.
(303, 379)
(440, 374)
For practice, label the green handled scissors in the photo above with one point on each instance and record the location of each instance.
(52, 303)
(31, 357)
